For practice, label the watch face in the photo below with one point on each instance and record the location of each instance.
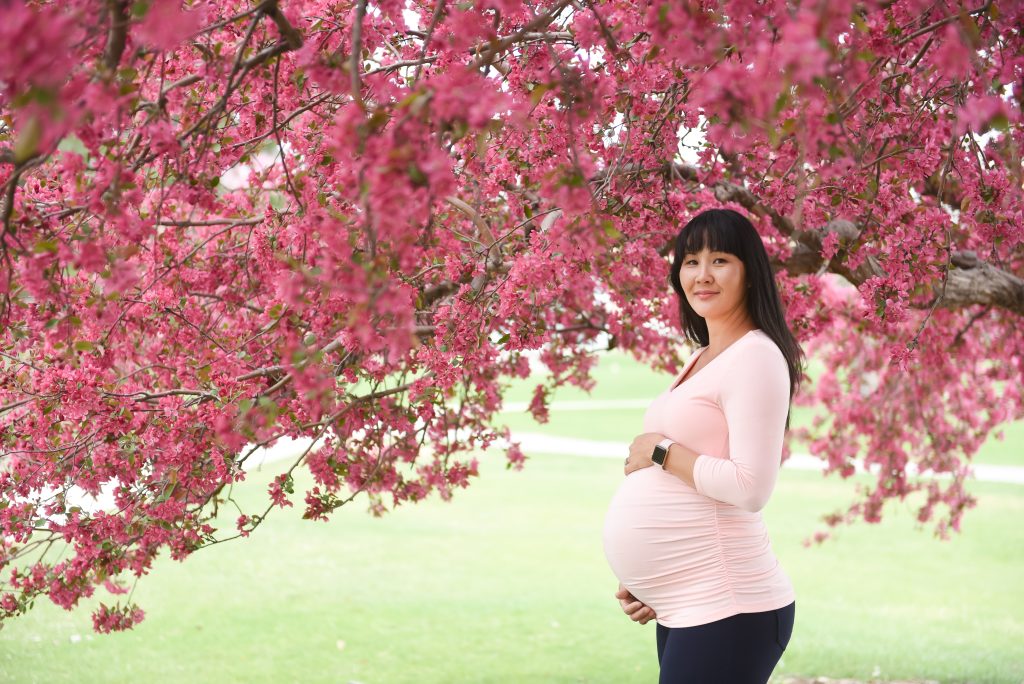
(659, 455)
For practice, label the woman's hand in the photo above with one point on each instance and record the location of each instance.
(641, 450)
(638, 611)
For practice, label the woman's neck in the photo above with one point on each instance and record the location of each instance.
(721, 334)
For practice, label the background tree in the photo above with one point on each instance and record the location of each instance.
(228, 222)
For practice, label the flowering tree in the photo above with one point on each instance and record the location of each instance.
(224, 223)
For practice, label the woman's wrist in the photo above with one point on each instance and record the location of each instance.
(680, 462)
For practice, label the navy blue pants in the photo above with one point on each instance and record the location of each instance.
(742, 649)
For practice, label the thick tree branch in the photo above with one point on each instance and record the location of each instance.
(291, 35)
(118, 33)
(971, 281)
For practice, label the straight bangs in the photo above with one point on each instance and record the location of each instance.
(711, 232)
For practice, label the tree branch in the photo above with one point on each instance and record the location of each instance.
(971, 281)
(357, 48)
(118, 33)
(291, 35)
(492, 49)
(942, 22)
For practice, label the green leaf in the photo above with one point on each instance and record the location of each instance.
(417, 177)
(270, 409)
(27, 144)
(1000, 122)
(71, 143)
(537, 92)
(377, 121)
(610, 230)
(45, 246)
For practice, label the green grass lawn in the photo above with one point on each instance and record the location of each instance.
(508, 583)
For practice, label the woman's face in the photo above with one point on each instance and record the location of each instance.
(715, 284)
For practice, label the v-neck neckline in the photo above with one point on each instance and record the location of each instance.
(683, 377)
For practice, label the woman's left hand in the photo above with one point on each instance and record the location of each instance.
(641, 450)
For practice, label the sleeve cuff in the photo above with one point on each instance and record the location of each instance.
(699, 463)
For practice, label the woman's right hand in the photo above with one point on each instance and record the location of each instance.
(637, 610)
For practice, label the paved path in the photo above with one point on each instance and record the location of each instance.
(537, 443)
(549, 444)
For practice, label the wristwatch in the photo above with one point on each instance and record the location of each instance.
(661, 452)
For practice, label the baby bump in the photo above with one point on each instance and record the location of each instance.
(660, 537)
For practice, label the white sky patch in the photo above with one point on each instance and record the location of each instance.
(412, 18)
(691, 140)
(237, 177)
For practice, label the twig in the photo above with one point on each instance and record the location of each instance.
(304, 108)
(488, 51)
(280, 143)
(434, 19)
(940, 23)
(16, 404)
(213, 222)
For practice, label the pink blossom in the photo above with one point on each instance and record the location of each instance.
(116, 618)
(166, 24)
(123, 276)
(91, 258)
(952, 59)
(977, 112)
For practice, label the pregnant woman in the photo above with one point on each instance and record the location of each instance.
(684, 533)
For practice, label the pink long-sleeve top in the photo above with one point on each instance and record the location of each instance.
(700, 554)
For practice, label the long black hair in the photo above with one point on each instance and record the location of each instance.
(725, 230)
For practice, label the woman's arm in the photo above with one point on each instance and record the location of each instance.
(755, 400)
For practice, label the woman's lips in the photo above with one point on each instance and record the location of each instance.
(705, 295)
